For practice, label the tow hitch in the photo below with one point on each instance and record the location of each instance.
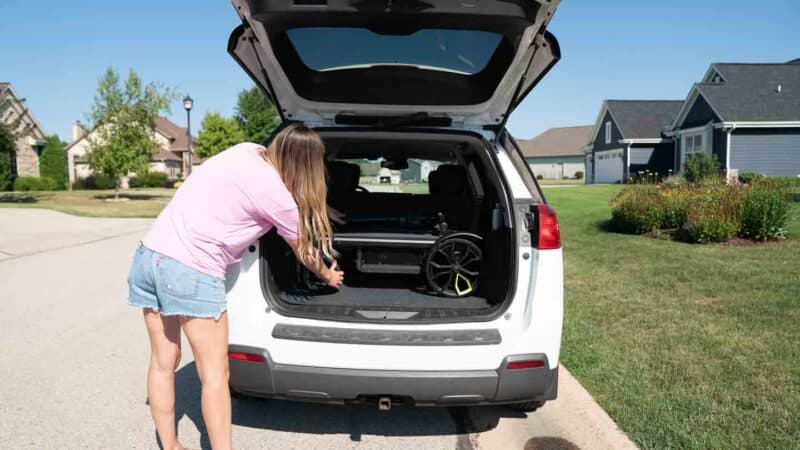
(384, 403)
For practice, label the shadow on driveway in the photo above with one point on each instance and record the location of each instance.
(309, 418)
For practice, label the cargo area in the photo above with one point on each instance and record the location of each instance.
(427, 237)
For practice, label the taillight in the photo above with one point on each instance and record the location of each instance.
(549, 236)
(252, 357)
(533, 364)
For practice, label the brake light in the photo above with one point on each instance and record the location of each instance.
(252, 357)
(534, 364)
(549, 236)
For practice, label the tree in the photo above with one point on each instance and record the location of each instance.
(217, 134)
(53, 162)
(124, 118)
(256, 115)
(6, 150)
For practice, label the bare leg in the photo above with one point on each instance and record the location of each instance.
(165, 356)
(209, 340)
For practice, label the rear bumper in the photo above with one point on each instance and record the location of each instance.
(420, 388)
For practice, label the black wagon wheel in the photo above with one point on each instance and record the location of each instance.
(453, 266)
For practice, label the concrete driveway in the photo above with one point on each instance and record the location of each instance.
(73, 359)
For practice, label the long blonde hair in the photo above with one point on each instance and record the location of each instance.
(298, 154)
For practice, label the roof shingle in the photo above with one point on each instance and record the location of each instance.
(567, 141)
(643, 119)
(750, 92)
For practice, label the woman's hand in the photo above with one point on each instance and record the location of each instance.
(333, 277)
(336, 216)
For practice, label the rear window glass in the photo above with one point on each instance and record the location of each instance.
(330, 48)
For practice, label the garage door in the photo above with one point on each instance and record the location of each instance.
(608, 166)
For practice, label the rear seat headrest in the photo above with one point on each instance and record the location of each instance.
(343, 177)
(448, 179)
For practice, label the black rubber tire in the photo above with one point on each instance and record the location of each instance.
(527, 407)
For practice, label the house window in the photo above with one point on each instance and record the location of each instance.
(694, 144)
(608, 132)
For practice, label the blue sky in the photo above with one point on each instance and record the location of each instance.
(53, 52)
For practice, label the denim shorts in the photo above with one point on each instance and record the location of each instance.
(172, 288)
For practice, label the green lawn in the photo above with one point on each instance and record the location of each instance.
(686, 346)
(141, 202)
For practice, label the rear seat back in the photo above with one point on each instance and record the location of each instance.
(451, 194)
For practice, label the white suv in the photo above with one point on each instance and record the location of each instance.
(453, 288)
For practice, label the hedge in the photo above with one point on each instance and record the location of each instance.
(35, 184)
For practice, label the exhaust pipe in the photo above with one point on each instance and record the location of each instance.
(384, 404)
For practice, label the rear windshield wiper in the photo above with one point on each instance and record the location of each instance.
(418, 119)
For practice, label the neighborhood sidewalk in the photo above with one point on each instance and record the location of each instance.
(26, 231)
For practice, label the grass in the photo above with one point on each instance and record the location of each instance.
(90, 203)
(568, 181)
(686, 346)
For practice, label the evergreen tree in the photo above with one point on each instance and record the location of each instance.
(6, 151)
(53, 162)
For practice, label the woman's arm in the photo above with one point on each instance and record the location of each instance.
(332, 276)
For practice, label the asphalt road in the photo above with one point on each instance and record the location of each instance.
(73, 359)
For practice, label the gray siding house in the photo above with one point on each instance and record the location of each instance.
(627, 139)
(748, 115)
(557, 153)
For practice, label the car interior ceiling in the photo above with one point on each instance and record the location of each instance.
(462, 191)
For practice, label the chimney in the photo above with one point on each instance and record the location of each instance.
(77, 130)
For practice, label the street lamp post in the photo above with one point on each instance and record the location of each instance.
(187, 105)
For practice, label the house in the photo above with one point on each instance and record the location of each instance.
(171, 158)
(29, 136)
(557, 153)
(748, 115)
(627, 139)
(418, 170)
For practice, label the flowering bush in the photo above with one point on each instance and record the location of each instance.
(637, 209)
(765, 213)
(714, 214)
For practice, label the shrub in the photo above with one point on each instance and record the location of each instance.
(700, 166)
(53, 162)
(97, 181)
(675, 203)
(789, 183)
(35, 184)
(539, 177)
(579, 175)
(637, 210)
(713, 214)
(765, 213)
(148, 180)
(750, 177)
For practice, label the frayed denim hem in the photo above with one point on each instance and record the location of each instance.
(216, 317)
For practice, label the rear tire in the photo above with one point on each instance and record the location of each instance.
(527, 407)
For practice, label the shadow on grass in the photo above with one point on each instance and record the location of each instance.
(17, 197)
(128, 196)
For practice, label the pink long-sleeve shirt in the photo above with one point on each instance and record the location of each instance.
(227, 203)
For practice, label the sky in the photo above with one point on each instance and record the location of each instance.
(54, 51)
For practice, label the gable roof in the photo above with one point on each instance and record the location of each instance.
(176, 134)
(566, 141)
(750, 93)
(643, 119)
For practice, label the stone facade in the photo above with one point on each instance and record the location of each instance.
(30, 138)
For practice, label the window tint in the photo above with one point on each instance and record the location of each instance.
(328, 48)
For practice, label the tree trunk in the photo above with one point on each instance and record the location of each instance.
(116, 189)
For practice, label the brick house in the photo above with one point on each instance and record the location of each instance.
(171, 158)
